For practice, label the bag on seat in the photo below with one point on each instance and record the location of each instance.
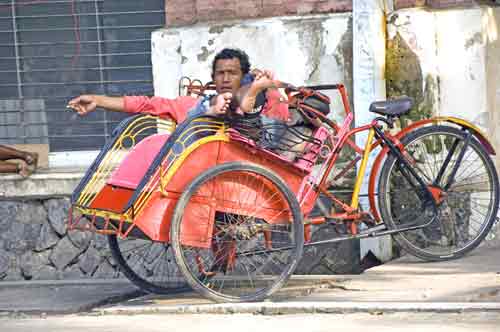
(310, 104)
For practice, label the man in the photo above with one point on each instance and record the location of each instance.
(26, 165)
(230, 71)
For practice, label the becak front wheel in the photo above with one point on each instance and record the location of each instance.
(237, 233)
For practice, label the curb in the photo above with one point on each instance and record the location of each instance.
(291, 308)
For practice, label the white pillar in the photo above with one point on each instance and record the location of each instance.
(369, 85)
(167, 62)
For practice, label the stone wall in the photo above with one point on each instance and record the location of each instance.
(36, 245)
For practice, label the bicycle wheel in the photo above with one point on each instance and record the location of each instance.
(149, 265)
(467, 205)
(255, 233)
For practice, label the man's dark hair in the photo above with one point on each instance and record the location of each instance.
(232, 53)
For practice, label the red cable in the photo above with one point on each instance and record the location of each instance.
(76, 29)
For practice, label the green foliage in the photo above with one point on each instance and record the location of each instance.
(404, 78)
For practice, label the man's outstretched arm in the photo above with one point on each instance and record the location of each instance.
(88, 103)
(175, 109)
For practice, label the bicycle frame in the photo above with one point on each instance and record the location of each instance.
(313, 187)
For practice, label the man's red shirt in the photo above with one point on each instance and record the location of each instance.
(178, 108)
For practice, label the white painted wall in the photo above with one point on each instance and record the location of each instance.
(300, 50)
(452, 47)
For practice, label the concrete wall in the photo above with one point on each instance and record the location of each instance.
(449, 61)
(301, 50)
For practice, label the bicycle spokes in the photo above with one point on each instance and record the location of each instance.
(462, 181)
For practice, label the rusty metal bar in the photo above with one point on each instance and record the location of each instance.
(99, 58)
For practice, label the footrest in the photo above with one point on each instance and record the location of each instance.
(102, 222)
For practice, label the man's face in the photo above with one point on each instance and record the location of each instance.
(227, 75)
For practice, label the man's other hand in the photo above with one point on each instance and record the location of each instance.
(264, 79)
(83, 104)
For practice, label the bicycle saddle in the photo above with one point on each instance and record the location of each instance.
(394, 107)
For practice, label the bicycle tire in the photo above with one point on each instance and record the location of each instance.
(461, 222)
(136, 262)
(250, 271)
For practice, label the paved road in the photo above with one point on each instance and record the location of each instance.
(484, 322)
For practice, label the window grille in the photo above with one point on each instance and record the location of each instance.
(53, 50)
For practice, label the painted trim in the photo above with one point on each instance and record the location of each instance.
(105, 214)
(103, 171)
(221, 136)
(155, 181)
(477, 132)
(382, 154)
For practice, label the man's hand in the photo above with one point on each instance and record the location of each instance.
(258, 73)
(264, 79)
(83, 104)
(221, 104)
(247, 95)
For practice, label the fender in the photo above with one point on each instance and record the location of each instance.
(435, 120)
(156, 208)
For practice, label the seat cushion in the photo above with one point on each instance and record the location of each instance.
(134, 166)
